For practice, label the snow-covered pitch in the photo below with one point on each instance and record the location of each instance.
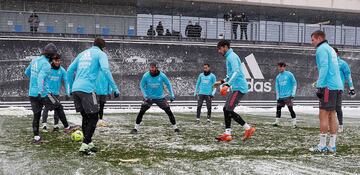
(158, 150)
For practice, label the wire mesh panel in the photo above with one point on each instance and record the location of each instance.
(338, 35)
(273, 31)
(349, 35)
(330, 33)
(228, 32)
(262, 31)
(290, 32)
(7, 21)
(208, 29)
(144, 21)
(357, 37)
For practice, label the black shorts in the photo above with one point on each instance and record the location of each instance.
(102, 98)
(232, 100)
(288, 101)
(330, 99)
(87, 102)
(162, 103)
(51, 102)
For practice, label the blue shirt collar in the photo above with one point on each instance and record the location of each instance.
(43, 56)
(228, 52)
(95, 47)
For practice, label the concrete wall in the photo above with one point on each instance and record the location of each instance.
(181, 62)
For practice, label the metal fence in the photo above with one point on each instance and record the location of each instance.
(68, 23)
(211, 28)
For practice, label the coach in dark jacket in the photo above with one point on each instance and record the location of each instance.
(160, 29)
(34, 22)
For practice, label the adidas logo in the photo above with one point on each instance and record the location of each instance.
(252, 72)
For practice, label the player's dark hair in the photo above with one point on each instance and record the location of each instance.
(57, 56)
(206, 64)
(153, 64)
(99, 42)
(336, 49)
(282, 64)
(49, 51)
(318, 33)
(223, 43)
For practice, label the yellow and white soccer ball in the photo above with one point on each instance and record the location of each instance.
(77, 136)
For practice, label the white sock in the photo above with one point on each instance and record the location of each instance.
(197, 119)
(294, 121)
(208, 120)
(174, 126)
(43, 124)
(68, 127)
(246, 126)
(322, 140)
(332, 142)
(228, 131)
(37, 137)
(137, 126)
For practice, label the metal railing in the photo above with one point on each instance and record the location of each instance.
(138, 26)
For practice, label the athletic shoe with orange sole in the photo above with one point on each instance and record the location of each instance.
(224, 138)
(248, 133)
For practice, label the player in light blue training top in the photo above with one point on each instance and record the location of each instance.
(345, 74)
(152, 88)
(85, 68)
(205, 91)
(285, 87)
(237, 86)
(329, 89)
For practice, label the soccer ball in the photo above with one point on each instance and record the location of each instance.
(77, 136)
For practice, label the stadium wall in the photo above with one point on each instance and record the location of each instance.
(182, 62)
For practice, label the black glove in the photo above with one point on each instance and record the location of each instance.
(67, 98)
(320, 93)
(116, 94)
(352, 93)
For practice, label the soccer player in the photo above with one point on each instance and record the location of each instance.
(345, 75)
(103, 90)
(329, 87)
(204, 91)
(237, 86)
(152, 88)
(57, 75)
(87, 66)
(39, 94)
(285, 85)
